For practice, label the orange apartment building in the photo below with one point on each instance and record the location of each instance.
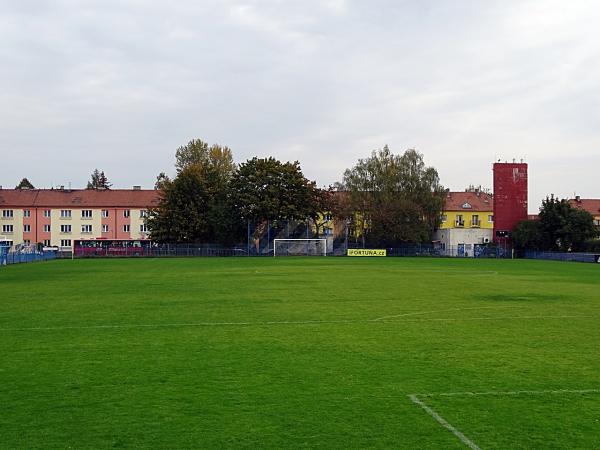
(58, 217)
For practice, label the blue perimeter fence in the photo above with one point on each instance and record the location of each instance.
(19, 255)
(333, 249)
(558, 256)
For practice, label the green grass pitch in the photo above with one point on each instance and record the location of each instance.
(299, 353)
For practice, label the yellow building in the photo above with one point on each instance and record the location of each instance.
(467, 222)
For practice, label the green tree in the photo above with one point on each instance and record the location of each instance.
(199, 152)
(196, 205)
(161, 180)
(330, 208)
(98, 181)
(180, 215)
(528, 235)
(560, 227)
(395, 198)
(24, 184)
(265, 189)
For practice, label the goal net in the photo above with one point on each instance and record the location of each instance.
(300, 247)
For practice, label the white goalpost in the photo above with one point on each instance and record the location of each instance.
(300, 247)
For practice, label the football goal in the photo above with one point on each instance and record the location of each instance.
(300, 247)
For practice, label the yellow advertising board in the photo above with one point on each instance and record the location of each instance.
(366, 252)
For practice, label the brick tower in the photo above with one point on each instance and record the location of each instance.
(510, 199)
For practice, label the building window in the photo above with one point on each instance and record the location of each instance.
(46, 228)
(105, 228)
(7, 228)
(7, 213)
(47, 242)
(86, 213)
(143, 228)
(475, 220)
(46, 213)
(143, 213)
(126, 213)
(126, 228)
(26, 213)
(26, 228)
(104, 213)
(27, 241)
(86, 228)
(460, 221)
(65, 242)
(490, 218)
(65, 228)
(444, 217)
(65, 213)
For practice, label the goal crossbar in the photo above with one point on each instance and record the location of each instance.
(323, 241)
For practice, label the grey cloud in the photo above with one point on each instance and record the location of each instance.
(121, 84)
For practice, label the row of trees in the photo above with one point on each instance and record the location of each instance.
(98, 181)
(559, 227)
(211, 199)
(385, 199)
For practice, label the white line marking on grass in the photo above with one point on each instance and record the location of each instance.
(464, 439)
(261, 324)
(507, 393)
(445, 310)
(464, 319)
(443, 422)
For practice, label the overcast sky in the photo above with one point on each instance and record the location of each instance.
(120, 84)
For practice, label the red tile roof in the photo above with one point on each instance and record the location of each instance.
(591, 205)
(80, 198)
(479, 201)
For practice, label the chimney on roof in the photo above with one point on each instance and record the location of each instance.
(578, 199)
(61, 187)
(137, 188)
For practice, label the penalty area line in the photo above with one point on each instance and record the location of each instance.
(463, 438)
(443, 422)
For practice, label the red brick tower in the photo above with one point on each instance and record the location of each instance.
(510, 199)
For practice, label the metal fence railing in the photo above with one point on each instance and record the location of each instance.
(23, 254)
(563, 256)
(334, 249)
(156, 251)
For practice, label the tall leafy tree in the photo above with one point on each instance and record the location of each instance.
(162, 180)
(98, 181)
(528, 235)
(181, 212)
(266, 189)
(563, 227)
(394, 198)
(24, 184)
(196, 205)
(559, 227)
(199, 152)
